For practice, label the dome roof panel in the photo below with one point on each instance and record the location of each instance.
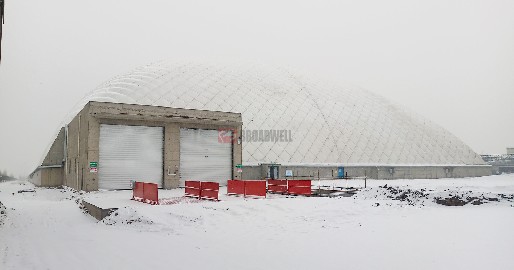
(328, 123)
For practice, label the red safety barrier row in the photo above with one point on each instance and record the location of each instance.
(145, 192)
(209, 190)
(255, 188)
(299, 187)
(202, 190)
(193, 189)
(151, 193)
(235, 187)
(137, 191)
(293, 187)
(277, 186)
(246, 188)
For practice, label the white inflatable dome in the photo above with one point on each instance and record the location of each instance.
(329, 124)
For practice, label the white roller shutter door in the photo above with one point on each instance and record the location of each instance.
(130, 153)
(203, 157)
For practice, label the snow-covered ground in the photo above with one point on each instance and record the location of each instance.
(398, 226)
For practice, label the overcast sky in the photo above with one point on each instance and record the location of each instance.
(450, 61)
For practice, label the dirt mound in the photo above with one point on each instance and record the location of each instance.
(410, 196)
(447, 197)
(451, 201)
(457, 200)
(403, 195)
(125, 216)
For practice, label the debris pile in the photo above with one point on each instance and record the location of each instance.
(422, 197)
(410, 196)
(461, 200)
(125, 216)
(26, 190)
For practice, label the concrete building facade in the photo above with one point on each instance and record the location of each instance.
(370, 171)
(76, 149)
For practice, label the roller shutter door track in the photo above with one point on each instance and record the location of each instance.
(203, 157)
(130, 153)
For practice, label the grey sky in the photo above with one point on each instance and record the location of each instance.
(450, 61)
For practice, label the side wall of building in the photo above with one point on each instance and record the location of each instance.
(77, 139)
(52, 177)
(50, 173)
(35, 178)
(372, 172)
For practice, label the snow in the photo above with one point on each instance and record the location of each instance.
(47, 229)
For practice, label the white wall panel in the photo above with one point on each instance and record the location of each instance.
(203, 157)
(130, 153)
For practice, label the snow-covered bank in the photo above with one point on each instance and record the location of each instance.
(3, 214)
(47, 230)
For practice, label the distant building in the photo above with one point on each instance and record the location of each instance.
(501, 163)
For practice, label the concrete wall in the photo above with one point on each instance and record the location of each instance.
(97, 212)
(55, 155)
(252, 173)
(372, 172)
(84, 137)
(52, 177)
(47, 177)
(49, 174)
(503, 169)
(308, 172)
(77, 145)
(433, 172)
(35, 178)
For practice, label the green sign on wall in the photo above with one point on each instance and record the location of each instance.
(93, 167)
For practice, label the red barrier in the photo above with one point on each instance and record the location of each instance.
(277, 186)
(151, 193)
(299, 187)
(193, 189)
(246, 187)
(145, 192)
(209, 190)
(235, 187)
(255, 188)
(137, 191)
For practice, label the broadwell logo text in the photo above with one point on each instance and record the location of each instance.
(229, 135)
(268, 135)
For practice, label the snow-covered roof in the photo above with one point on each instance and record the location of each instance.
(328, 123)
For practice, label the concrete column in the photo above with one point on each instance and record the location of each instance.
(237, 154)
(171, 155)
(93, 155)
